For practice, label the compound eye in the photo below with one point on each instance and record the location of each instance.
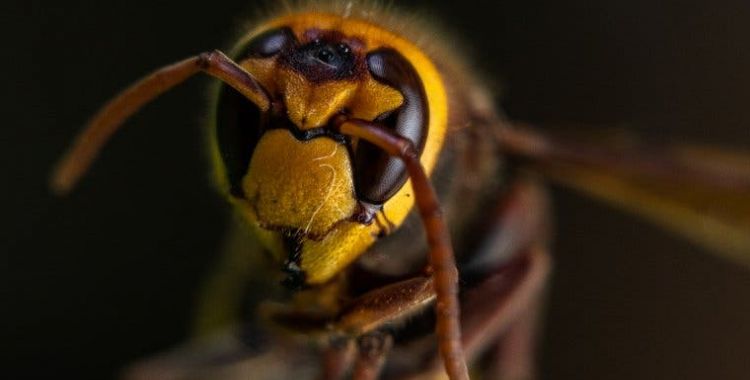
(378, 176)
(238, 120)
(271, 42)
(238, 130)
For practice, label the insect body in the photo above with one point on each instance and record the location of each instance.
(327, 125)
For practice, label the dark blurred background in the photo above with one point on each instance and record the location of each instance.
(93, 281)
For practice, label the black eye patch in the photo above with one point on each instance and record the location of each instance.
(377, 175)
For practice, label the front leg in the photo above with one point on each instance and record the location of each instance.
(500, 313)
(385, 305)
(360, 322)
(338, 357)
(373, 349)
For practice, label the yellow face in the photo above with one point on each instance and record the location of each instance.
(317, 200)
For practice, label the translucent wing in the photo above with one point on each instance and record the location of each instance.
(701, 193)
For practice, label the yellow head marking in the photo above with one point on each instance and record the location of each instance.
(312, 105)
(320, 194)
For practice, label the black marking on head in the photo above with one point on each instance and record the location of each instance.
(379, 176)
(283, 122)
(321, 61)
(326, 56)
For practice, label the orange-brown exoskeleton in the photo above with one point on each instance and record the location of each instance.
(333, 134)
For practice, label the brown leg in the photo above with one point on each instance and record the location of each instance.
(520, 219)
(505, 305)
(515, 293)
(442, 259)
(360, 321)
(385, 305)
(493, 308)
(514, 355)
(498, 308)
(337, 359)
(373, 349)
(109, 118)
